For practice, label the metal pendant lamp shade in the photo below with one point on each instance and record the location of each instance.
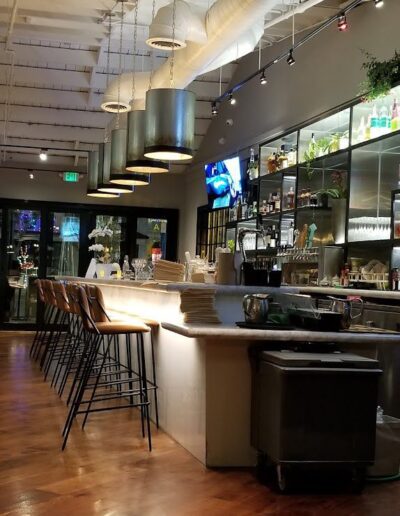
(93, 171)
(118, 157)
(169, 128)
(105, 172)
(135, 158)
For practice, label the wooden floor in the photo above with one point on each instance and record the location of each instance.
(107, 470)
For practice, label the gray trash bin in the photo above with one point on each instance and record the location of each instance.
(313, 408)
(387, 449)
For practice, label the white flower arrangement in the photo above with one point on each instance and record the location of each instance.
(97, 248)
(102, 249)
(101, 232)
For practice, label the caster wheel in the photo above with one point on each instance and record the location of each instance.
(282, 479)
(358, 480)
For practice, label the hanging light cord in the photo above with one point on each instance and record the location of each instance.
(292, 28)
(171, 64)
(153, 14)
(135, 28)
(120, 63)
(108, 49)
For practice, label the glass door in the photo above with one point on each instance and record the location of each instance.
(151, 238)
(63, 245)
(22, 262)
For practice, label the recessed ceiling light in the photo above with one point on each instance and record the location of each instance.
(43, 155)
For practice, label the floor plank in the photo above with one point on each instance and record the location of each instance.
(107, 469)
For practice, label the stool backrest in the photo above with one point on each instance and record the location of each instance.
(84, 310)
(40, 290)
(61, 296)
(49, 292)
(73, 299)
(96, 303)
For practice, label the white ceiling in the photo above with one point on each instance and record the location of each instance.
(53, 77)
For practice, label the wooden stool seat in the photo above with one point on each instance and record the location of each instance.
(148, 322)
(118, 327)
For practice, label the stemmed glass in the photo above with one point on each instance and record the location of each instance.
(140, 267)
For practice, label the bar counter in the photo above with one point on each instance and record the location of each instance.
(203, 371)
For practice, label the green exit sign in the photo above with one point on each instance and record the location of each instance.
(71, 177)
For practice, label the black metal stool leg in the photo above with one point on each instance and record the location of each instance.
(153, 363)
(145, 392)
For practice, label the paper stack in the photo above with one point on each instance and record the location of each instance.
(169, 271)
(197, 305)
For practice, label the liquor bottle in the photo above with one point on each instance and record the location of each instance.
(271, 203)
(361, 130)
(307, 197)
(313, 199)
(292, 157)
(375, 123)
(254, 210)
(273, 236)
(290, 235)
(278, 202)
(395, 119)
(368, 128)
(264, 207)
(252, 169)
(239, 208)
(290, 199)
(267, 237)
(125, 267)
(384, 120)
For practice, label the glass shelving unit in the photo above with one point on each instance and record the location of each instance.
(346, 180)
(376, 119)
(278, 155)
(396, 214)
(374, 175)
(325, 136)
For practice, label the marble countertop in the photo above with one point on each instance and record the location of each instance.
(235, 290)
(216, 332)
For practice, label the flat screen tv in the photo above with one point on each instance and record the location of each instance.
(224, 182)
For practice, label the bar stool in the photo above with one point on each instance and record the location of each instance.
(98, 338)
(98, 312)
(41, 329)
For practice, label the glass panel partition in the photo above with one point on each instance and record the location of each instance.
(375, 173)
(22, 263)
(328, 135)
(279, 154)
(377, 118)
(63, 245)
(151, 237)
(117, 242)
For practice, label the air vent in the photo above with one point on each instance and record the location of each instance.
(166, 43)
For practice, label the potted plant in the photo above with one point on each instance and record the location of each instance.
(338, 195)
(381, 76)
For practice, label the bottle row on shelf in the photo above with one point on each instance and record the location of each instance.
(281, 159)
(378, 122)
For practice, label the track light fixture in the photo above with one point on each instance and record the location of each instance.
(379, 3)
(342, 23)
(263, 79)
(232, 100)
(214, 109)
(290, 60)
(43, 155)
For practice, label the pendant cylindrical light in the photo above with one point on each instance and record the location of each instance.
(135, 158)
(119, 176)
(93, 171)
(105, 172)
(118, 154)
(169, 127)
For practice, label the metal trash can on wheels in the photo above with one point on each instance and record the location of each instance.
(314, 410)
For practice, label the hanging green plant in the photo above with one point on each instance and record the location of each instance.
(381, 76)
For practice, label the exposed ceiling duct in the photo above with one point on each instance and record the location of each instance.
(189, 26)
(233, 28)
